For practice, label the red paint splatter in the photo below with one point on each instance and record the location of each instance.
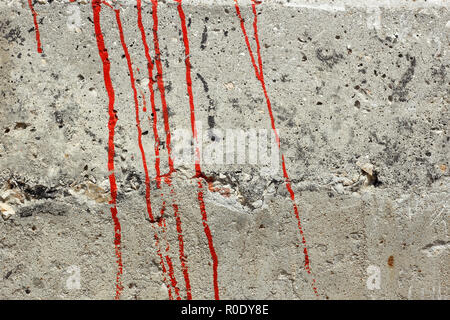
(260, 76)
(107, 4)
(103, 53)
(198, 170)
(36, 26)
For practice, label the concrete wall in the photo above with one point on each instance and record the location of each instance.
(359, 94)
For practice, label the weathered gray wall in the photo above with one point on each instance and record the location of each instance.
(360, 95)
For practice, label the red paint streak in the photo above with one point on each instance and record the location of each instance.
(107, 4)
(152, 93)
(144, 161)
(161, 262)
(182, 256)
(167, 177)
(260, 76)
(36, 26)
(183, 259)
(162, 224)
(197, 151)
(103, 53)
(138, 122)
(160, 82)
(207, 231)
(172, 277)
(161, 88)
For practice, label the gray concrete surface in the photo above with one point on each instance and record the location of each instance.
(360, 96)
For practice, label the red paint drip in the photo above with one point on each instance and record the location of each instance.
(107, 4)
(152, 93)
(161, 88)
(197, 151)
(207, 231)
(162, 264)
(260, 76)
(144, 161)
(162, 223)
(167, 178)
(172, 277)
(182, 255)
(103, 53)
(138, 122)
(143, 101)
(36, 26)
(160, 82)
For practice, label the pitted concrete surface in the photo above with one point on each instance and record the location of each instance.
(360, 98)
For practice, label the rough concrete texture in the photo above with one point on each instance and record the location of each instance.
(360, 97)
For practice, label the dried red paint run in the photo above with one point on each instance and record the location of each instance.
(260, 76)
(161, 220)
(167, 129)
(152, 93)
(161, 88)
(138, 122)
(160, 82)
(163, 267)
(162, 224)
(157, 141)
(144, 161)
(198, 171)
(36, 26)
(167, 178)
(103, 53)
(182, 256)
